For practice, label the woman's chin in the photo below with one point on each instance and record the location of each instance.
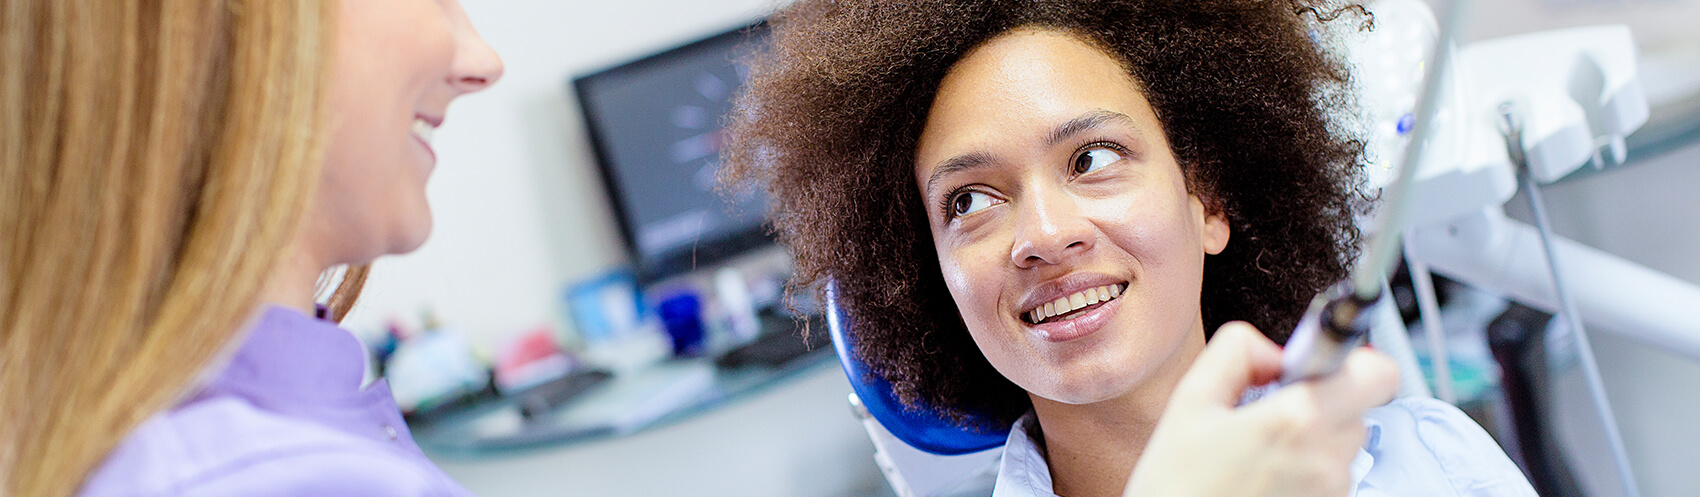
(410, 241)
(1087, 388)
(413, 235)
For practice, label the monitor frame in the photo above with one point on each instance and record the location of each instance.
(704, 251)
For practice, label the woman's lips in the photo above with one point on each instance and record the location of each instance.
(422, 129)
(1081, 323)
(428, 150)
(1066, 305)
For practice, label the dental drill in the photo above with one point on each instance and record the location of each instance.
(1339, 319)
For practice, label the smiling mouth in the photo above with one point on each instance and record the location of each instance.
(423, 130)
(1072, 306)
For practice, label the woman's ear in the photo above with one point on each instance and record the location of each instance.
(1216, 229)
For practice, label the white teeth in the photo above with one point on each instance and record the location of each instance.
(423, 129)
(1074, 302)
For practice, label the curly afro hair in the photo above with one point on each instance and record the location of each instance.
(829, 121)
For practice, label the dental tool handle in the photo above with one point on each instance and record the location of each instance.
(1333, 325)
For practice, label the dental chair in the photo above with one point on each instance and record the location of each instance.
(921, 453)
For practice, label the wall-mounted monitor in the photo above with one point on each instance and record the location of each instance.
(656, 126)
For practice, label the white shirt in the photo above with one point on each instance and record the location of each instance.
(1415, 446)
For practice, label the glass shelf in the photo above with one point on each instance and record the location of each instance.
(663, 394)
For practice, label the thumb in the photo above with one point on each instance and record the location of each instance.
(1367, 379)
(1238, 357)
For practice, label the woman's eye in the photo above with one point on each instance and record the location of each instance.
(1095, 158)
(968, 203)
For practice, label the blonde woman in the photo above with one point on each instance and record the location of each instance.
(174, 177)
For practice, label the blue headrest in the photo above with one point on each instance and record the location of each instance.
(923, 429)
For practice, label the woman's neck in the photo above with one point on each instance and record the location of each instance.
(295, 281)
(1091, 448)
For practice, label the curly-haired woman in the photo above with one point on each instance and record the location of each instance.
(1036, 212)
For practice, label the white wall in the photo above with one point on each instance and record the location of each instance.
(518, 204)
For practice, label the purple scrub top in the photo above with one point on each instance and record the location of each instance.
(285, 417)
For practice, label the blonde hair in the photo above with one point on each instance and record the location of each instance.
(155, 159)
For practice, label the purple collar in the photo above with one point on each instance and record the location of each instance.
(291, 378)
(289, 360)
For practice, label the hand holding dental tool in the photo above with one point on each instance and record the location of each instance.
(1199, 449)
(1338, 320)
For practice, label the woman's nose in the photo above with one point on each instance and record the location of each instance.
(476, 65)
(1049, 229)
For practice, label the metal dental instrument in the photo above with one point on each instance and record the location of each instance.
(1512, 127)
(1339, 320)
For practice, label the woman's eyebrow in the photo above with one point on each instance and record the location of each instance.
(1087, 122)
(964, 162)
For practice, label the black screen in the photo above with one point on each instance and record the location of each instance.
(656, 125)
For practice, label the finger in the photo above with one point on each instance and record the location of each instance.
(1368, 379)
(1298, 416)
(1238, 357)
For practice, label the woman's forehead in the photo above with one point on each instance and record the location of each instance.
(1016, 91)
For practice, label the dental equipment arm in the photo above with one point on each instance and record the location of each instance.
(1533, 109)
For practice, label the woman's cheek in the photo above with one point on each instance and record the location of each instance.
(954, 278)
(971, 274)
(1143, 228)
(1119, 207)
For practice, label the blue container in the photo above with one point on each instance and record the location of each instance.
(682, 316)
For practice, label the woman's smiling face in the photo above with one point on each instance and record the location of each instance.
(399, 64)
(1049, 186)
